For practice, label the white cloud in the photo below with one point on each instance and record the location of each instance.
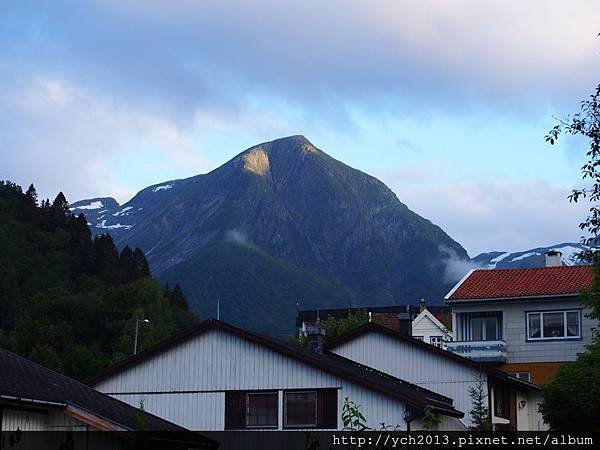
(495, 212)
(62, 136)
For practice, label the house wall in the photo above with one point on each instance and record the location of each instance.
(426, 328)
(415, 365)
(514, 330)
(24, 420)
(186, 384)
(51, 420)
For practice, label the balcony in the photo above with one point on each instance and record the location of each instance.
(481, 351)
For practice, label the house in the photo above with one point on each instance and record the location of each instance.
(513, 403)
(430, 324)
(528, 322)
(34, 398)
(219, 377)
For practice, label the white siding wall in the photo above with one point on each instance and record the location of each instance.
(410, 363)
(426, 327)
(54, 420)
(518, 349)
(24, 420)
(217, 361)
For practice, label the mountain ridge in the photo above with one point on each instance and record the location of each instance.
(336, 236)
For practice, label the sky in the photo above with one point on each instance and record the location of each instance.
(446, 101)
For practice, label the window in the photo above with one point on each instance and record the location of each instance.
(316, 408)
(418, 338)
(501, 402)
(484, 328)
(436, 341)
(553, 325)
(261, 410)
(525, 376)
(301, 409)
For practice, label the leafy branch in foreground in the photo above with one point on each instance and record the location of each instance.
(586, 124)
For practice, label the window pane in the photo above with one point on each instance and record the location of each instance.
(500, 403)
(301, 408)
(262, 410)
(436, 340)
(534, 326)
(554, 324)
(491, 329)
(476, 329)
(573, 323)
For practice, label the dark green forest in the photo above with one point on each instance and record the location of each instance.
(70, 302)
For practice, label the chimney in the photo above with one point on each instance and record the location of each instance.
(422, 305)
(316, 335)
(405, 320)
(553, 258)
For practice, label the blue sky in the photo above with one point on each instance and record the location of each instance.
(446, 101)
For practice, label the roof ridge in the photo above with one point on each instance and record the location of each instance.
(321, 361)
(371, 326)
(509, 269)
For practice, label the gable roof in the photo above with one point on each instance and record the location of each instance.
(375, 328)
(500, 284)
(23, 380)
(411, 394)
(431, 317)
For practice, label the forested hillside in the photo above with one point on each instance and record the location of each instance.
(70, 302)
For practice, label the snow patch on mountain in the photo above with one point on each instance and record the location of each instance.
(524, 255)
(497, 259)
(164, 187)
(93, 205)
(123, 211)
(112, 227)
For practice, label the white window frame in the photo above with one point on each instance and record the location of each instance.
(519, 376)
(304, 425)
(484, 328)
(419, 338)
(554, 338)
(269, 427)
(439, 339)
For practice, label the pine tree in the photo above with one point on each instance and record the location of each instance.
(480, 414)
(141, 263)
(106, 259)
(177, 298)
(28, 211)
(127, 266)
(59, 212)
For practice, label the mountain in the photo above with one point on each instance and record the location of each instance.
(529, 258)
(279, 226)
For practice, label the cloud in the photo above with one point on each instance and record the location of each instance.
(493, 212)
(63, 136)
(455, 266)
(237, 236)
(178, 57)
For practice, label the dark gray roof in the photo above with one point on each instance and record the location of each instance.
(23, 380)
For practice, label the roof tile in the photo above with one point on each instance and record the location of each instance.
(516, 283)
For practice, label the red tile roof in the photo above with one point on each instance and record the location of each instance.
(513, 283)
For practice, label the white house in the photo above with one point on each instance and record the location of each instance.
(513, 403)
(428, 328)
(219, 377)
(527, 322)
